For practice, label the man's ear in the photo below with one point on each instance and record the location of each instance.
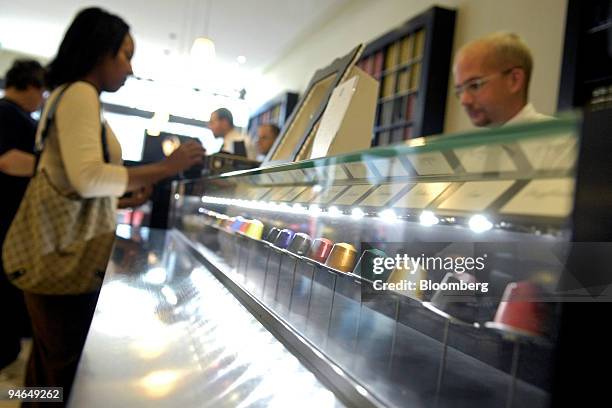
(517, 79)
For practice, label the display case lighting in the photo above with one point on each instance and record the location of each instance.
(479, 223)
(428, 218)
(388, 215)
(357, 213)
(333, 211)
(314, 210)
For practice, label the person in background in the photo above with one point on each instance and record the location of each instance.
(266, 135)
(221, 123)
(492, 77)
(25, 87)
(94, 56)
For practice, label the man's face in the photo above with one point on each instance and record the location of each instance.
(489, 104)
(33, 98)
(265, 139)
(219, 127)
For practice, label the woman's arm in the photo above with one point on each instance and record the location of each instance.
(18, 163)
(186, 156)
(79, 128)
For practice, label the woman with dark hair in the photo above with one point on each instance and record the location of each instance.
(94, 56)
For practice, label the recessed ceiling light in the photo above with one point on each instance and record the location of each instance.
(241, 59)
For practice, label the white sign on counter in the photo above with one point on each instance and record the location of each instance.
(382, 195)
(421, 195)
(485, 159)
(476, 195)
(546, 197)
(353, 194)
(430, 163)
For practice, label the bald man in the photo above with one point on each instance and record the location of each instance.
(492, 80)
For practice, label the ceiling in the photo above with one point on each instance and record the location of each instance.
(164, 30)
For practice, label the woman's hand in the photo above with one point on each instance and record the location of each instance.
(186, 156)
(137, 199)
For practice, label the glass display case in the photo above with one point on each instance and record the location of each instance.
(420, 274)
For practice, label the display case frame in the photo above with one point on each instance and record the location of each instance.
(290, 141)
(337, 317)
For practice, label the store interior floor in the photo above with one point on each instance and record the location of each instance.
(13, 375)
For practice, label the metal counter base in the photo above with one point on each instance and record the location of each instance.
(167, 333)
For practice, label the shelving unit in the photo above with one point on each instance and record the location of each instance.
(587, 53)
(275, 111)
(412, 64)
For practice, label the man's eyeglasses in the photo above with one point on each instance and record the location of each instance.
(473, 86)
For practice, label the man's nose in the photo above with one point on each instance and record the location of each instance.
(466, 98)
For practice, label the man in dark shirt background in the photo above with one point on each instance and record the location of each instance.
(24, 89)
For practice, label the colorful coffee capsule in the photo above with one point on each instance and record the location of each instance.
(519, 312)
(255, 229)
(300, 244)
(409, 279)
(272, 235)
(366, 266)
(320, 249)
(238, 221)
(245, 226)
(284, 238)
(342, 257)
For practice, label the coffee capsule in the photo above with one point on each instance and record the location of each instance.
(300, 244)
(342, 257)
(367, 265)
(519, 311)
(284, 238)
(409, 280)
(245, 226)
(238, 221)
(255, 229)
(320, 249)
(272, 235)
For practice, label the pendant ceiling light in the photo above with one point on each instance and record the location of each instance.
(203, 49)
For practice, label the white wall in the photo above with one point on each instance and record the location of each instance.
(541, 23)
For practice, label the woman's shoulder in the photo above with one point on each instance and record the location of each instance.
(77, 95)
(81, 88)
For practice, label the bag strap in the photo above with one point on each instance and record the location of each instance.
(49, 120)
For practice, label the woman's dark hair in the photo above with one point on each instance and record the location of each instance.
(93, 34)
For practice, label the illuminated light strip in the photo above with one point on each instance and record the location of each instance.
(478, 223)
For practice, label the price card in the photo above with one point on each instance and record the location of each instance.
(546, 197)
(382, 195)
(331, 173)
(282, 178)
(360, 170)
(259, 193)
(263, 179)
(296, 191)
(476, 195)
(551, 153)
(421, 195)
(308, 195)
(310, 173)
(485, 159)
(329, 194)
(298, 175)
(390, 167)
(278, 193)
(353, 194)
(430, 163)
